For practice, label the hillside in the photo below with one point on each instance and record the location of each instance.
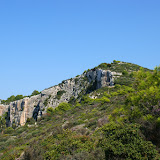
(113, 115)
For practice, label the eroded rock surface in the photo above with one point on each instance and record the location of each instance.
(35, 106)
(3, 109)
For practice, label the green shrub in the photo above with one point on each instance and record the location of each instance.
(63, 107)
(125, 73)
(148, 118)
(117, 86)
(125, 142)
(12, 98)
(113, 94)
(46, 100)
(116, 62)
(70, 144)
(50, 110)
(72, 100)
(77, 105)
(35, 92)
(76, 80)
(106, 95)
(87, 100)
(59, 94)
(102, 100)
(30, 120)
(8, 130)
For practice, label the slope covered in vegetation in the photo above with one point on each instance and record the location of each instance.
(120, 122)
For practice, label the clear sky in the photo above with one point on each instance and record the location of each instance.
(43, 42)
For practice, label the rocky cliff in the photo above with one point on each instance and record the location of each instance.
(36, 106)
(3, 109)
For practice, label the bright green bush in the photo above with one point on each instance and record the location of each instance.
(113, 94)
(50, 110)
(106, 95)
(63, 107)
(87, 100)
(148, 118)
(77, 105)
(102, 100)
(125, 73)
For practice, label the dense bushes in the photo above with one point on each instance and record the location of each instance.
(124, 141)
(70, 144)
(128, 114)
(62, 107)
(18, 97)
(102, 100)
(8, 130)
(12, 98)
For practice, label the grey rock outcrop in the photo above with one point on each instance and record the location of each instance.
(35, 106)
(3, 109)
(102, 77)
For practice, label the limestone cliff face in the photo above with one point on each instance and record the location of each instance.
(3, 109)
(102, 77)
(36, 106)
(22, 109)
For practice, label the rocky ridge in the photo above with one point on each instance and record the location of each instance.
(35, 106)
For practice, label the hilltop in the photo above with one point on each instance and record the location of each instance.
(108, 112)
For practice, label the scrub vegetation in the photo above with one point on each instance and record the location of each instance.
(111, 123)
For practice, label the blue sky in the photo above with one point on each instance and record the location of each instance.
(45, 42)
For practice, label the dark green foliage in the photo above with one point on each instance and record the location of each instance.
(18, 97)
(46, 100)
(76, 80)
(72, 100)
(8, 130)
(35, 92)
(30, 120)
(86, 100)
(59, 94)
(124, 80)
(91, 87)
(125, 73)
(119, 66)
(104, 65)
(125, 142)
(2, 122)
(70, 144)
(12, 98)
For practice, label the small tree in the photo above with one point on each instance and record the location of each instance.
(63, 107)
(35, 92)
